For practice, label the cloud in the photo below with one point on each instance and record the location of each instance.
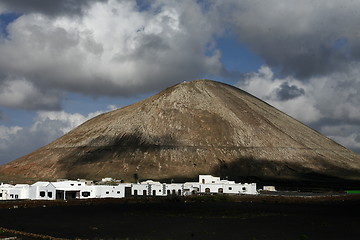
(264, 85)
(113, 48)
(52, 8)
(287, 92)
(20, 93)
(345, 134)
(330, 104)
(16, 141)
(302, 38)
(121, 48)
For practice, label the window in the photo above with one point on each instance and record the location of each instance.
(244, 188)
(16, 196)
(144, 192)
(135, 192)
(107, 192)
(168, 192)
(50, 194)
(179, 192)
(11, 195)
(220, 190)
(1, 194)
(79, 184)
(42, 194)
(85, 194)
(118, 192)
(230, 188)
(207, 190)
(71, 184)
(203, 181)
(154, 193)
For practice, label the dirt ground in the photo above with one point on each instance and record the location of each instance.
(206, 217)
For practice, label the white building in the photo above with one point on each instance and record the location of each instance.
(209, 184)
(83, 189)
(269, 188)
(148, 188)
(106, 191)
(174, 189)
(42, 191)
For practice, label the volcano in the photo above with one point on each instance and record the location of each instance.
(197, 127)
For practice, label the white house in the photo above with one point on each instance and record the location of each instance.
(210, 184)
(42, 191)
(70, 189)
(148, 188)
(108, 191)
(208, 179)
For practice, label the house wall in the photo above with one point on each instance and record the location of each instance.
(139, 190)
(174, 189)
(22, 190)
(156, 190)
(236, 188)
(3, 194)
(69, 185)
(105, 191)
(205, 179)
(42, 192)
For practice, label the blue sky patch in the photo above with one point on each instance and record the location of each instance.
(5, 20)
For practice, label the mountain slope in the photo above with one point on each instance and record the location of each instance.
(189, 129)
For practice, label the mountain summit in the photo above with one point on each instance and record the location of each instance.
(198, 127)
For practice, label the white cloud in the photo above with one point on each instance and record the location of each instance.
(265, 86)
(112, 49)
(326, 102)
(16, 141)
(20, 93)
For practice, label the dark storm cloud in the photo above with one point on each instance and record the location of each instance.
(287, 92)
(301, 38)
(48, 7)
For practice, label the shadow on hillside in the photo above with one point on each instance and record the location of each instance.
(104, 150)
(290, 176)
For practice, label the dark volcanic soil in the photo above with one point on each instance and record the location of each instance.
(259, 217)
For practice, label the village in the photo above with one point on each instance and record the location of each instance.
(64, 189)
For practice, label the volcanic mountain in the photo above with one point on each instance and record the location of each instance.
(198, 127)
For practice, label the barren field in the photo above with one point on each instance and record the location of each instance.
(204, 217)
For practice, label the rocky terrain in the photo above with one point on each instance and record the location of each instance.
(198, 127)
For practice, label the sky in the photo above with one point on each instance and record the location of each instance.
(63, 62)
